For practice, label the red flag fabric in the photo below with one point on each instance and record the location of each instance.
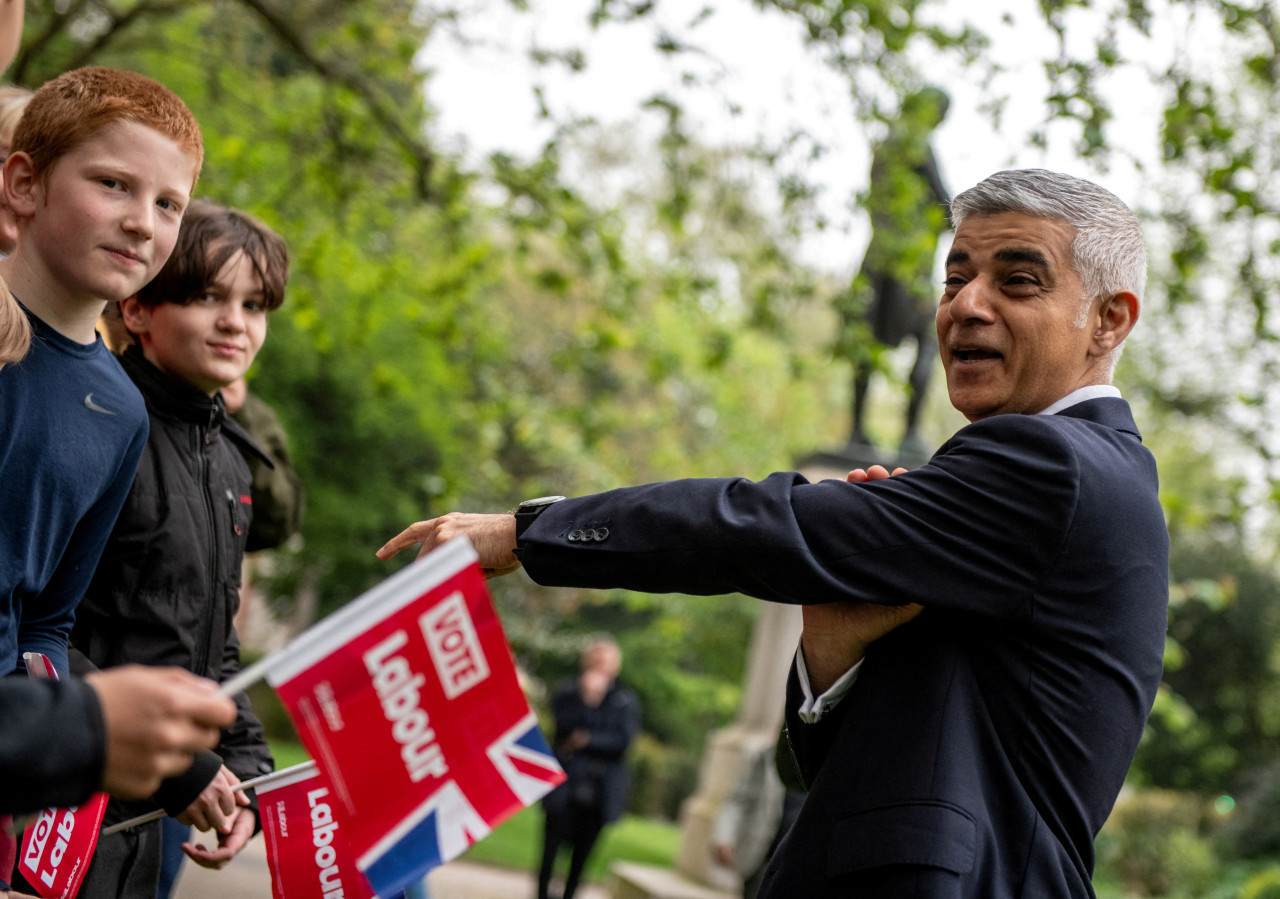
(57, 847)
(408, 700)
(307, 849)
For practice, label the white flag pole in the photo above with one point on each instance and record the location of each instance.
(262, 781)
(247, 677)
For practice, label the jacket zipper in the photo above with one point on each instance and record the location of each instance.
(203, 439)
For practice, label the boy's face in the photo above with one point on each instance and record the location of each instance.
(210, 342)
(105, 219)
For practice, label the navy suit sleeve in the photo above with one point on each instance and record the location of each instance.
(974, 529)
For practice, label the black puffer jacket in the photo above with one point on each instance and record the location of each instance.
(167, 587)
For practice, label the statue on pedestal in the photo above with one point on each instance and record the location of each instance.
(894, 293)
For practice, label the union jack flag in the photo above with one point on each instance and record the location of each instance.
(448, 824)
(524, 760)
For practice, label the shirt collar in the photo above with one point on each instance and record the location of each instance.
(1092, 392)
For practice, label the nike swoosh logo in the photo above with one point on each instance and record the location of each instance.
(91, 405)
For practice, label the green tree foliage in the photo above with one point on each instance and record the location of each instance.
(465, 339)
(464, 335)
(1215, 724)
(314, 120)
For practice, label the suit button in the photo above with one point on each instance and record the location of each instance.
(575, 536)
(602, 534)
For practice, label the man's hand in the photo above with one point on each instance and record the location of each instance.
(494, 537)
(229, 843)
(156, 720)
(836, 635)
(874, 473)
(216, 806)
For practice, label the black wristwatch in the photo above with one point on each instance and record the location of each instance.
(530, 509)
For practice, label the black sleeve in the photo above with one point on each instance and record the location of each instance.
(243, 746)
(52, 744)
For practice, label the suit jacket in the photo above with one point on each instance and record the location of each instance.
(984, 743)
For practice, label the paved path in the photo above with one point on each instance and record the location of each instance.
(248, 878)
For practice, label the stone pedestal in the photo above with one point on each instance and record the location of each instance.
(697, 876)
(634, 881)
(773, 643)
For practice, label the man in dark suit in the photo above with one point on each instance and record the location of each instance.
(975, 750)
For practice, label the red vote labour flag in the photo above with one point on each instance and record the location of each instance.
(408, 700)
(307, 848)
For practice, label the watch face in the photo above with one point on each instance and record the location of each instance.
(533, 505)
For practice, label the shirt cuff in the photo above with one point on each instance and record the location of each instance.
(812, 710)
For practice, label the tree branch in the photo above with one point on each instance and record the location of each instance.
(383, 112)
(35, 48)
(120, 23)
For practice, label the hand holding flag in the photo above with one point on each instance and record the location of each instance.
(156, 720)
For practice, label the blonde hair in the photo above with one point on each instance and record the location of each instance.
(15, 330)
(13, 100)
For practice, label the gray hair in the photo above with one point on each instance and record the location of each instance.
(1108, 252)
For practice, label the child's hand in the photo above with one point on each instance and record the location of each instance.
(229, 843)
(156, 720)
(217, 805)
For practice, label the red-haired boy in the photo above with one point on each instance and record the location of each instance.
(102, 167)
